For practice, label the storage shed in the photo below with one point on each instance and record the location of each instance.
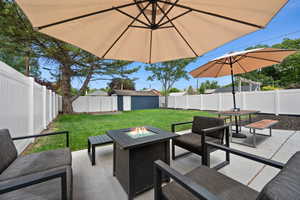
(136, 100)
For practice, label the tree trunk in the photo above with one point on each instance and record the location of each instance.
(66, 73)
(166, 100)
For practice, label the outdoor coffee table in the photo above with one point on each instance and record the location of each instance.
(135, 150)
(237, 115)
(261, 125)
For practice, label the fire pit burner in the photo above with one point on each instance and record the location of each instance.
(139, 132)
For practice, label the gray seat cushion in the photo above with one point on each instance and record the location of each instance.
(8, 151)
(220, 185)
(192, 141)
(37, 162)
(49, 190)
(286, 184)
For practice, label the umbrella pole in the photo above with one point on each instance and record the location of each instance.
(236, 133)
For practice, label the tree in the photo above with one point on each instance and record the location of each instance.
(167, 73)
(121, 84)
(68, 63)
(284, 74)
(190, 90)
(208, 85)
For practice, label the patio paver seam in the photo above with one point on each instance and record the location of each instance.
(272, 156)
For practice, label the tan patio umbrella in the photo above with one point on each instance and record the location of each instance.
(149, 30)
(241, 62)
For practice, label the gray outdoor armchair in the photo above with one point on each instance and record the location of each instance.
(203, 129)
(204, 183)
(39, 176)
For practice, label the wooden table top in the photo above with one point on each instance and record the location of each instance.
(262, 124)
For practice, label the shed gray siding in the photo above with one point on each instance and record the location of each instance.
(144, 102)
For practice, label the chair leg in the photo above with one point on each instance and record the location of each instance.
(173, 151)
(93, 155)
(89, 146)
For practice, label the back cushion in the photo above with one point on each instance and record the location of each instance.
(8, 151)
(286, 184)
(200, 123)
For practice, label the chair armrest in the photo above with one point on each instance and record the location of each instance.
(197, 190)
(256, 158)
(46, 134)
(33, 179)
(179, 123)
(213, 129)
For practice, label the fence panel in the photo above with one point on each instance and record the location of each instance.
(194, 102)
(289, 102)
(262, 101)
(95, 104)
(273, 102)
(25, 105)
(38, 108)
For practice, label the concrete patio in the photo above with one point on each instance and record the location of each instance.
(97, 182)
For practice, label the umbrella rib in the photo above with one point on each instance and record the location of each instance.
(220, 68)
(276, 61)
(125, 30)
(138, 5)
(178, 31)
(130, 16)
(180, 15)
(242, 67)
(212, 63)
(89, 14)
(165, 14)
(213, 14)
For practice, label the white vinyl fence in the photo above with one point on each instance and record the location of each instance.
(95, 104)
(26, 107)
(273, 102)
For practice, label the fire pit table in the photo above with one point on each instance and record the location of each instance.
(135, 150)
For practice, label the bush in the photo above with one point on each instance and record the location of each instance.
(269, 87)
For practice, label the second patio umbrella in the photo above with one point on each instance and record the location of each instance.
(149, 30)
(241, 62)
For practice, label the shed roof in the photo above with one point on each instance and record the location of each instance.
(133, 93)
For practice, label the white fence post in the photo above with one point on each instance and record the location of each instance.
(201, 102)
(187, 102)
(44, 107)
(31, 106)
(220, 101)
(277, 102)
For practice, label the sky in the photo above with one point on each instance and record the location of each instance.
(286, 24)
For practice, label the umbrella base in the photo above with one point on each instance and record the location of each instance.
(238, 135)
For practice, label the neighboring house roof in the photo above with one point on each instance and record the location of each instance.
(98, 93)
(177, 94)
(133, 93)
(154, 91)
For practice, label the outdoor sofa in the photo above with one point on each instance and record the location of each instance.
(39, 176)
(208, 184)
(203, 129)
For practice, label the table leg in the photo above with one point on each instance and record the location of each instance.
(114, 159)
(254, 138)
(237, 133)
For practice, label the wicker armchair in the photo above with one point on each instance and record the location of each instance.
(44, 175)
(204, 183)
(203, 129)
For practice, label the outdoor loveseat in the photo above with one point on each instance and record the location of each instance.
(204, 183)
(203, 129)
(38, 176)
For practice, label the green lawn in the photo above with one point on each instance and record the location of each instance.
(81, 126)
